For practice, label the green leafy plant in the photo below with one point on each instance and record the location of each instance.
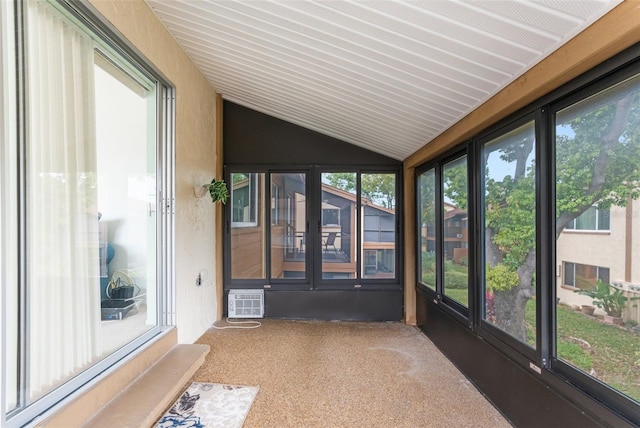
(218, 191)
(610, 299)
(501, 278)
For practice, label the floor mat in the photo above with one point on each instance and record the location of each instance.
(210, 405)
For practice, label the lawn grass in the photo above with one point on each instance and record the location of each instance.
(456, 280)
(614, 352)
(609, 353)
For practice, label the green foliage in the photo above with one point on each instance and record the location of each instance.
(606, 297)
(342, 180)
(501, 278)
(218, 191)
(576, 355)
(429, 259)
(510, 212)
(455, 183)
(613, 350)
(455, 276)
(604, 170)
(427, 194)
(459, 295)
(428, 266)
(239, 177)
(378, 188)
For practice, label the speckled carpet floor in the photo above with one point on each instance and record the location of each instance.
(344, 374)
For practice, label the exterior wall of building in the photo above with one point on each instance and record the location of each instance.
(607, 249)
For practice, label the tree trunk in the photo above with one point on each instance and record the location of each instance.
(510, 305)
(510, 312)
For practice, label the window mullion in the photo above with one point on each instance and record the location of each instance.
(439, 245)
(545, 237)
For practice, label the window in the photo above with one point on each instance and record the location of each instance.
(509, 230)
(289, 237)
(426, 183)
(244, 199)
(275, 204)
(359, 225)
(455, 230)
(539, 179)
(338, 240)
(379, 226)
(349, 239)
(584, 277)
(443, 224)
(331, 216)
(596, 166)
(592, 219)
(247, 240)
(378, 202)
(379, 264)
(89, 235)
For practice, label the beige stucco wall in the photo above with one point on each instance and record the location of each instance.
(195, 160)
(604, 249)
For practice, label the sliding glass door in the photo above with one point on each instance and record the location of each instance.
(269, 228)
(81, 225)
(289, 227)
(338, 225)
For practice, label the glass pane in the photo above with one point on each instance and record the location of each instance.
(288, 226)
(126, 195)
(90, 202)
(569, 274)
(247, 226)
(378, 204)
(427, 218)
(339, 220)
(510, 233)
(604, 219)
(597, 163)
(587, 220)
(9, 212)
(455, 231)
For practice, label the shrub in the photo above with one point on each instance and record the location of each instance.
(501, 278)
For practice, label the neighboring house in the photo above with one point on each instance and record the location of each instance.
(378, 233)
(598, 245)
(338, 246)
(456, 234)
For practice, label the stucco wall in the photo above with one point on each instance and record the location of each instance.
(194, 157)
(605, 249)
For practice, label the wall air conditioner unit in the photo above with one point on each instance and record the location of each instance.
(459, 236)
(246, 304)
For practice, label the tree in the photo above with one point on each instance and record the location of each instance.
(378, 188)
(342, 180)
(597, 163)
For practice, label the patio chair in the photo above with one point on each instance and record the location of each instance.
(330, 242)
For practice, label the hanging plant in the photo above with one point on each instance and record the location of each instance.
(218, 191)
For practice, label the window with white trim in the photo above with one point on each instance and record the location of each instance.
(592, 219)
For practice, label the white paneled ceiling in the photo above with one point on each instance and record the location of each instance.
(386, 75)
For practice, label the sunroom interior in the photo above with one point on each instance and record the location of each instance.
(468, 168)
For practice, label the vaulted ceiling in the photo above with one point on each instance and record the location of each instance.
(385, 75)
